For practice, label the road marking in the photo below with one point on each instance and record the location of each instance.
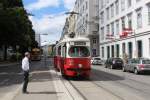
(64, 89)
(11, 73)
(11, 64)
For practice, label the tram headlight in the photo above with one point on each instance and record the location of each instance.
(80, 65)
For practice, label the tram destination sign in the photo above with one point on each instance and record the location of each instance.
(79, 43)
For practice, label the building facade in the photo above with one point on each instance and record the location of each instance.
(65, 30)
(87, 22)
(124, 28)
(38, 39)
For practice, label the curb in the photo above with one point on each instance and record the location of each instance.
(63, 86)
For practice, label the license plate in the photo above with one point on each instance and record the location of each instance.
(119, 62)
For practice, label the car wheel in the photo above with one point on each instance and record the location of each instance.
(136, 71)
(123, 69)
(93, 63)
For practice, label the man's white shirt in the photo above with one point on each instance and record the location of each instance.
(25, 64)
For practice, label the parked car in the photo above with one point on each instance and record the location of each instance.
(96, 61)
(137, 65)
(114, 63)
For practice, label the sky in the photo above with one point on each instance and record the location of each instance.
(49, 17)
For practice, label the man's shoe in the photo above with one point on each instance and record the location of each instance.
(25, 92)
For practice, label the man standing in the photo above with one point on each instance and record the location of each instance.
(25, 68)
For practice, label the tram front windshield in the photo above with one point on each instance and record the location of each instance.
(79, 51)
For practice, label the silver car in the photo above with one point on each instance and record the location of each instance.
(96, 61)
(137, 65)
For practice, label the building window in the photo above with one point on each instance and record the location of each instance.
(139, 18)
(140, 48)
(129, 3)
(102, 17)
(112, 10)
(102, 33)
(123, 48)
(94, 52)
(112, 51)
(94, 41)
(107, 10)
(122, 5)
(108, 29)
(148, 13)
(117, 6)
(130, 47)
(130, 21)
(117, 50)
(108, 52)
(86, 5)
(117, 27)
(112, 29)
(123, 23)
(103, 52)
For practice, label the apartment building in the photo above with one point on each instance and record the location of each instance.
(87, 22)
(38, 39)
(69, 26)
(124, 28)
(65, 30)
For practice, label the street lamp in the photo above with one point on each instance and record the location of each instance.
(72, 13)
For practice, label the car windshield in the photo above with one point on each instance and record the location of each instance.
(79, 51)
(118, 59)
(135, 61)
(145, 61)
(97, 58)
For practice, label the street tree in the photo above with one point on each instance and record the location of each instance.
(15, 26)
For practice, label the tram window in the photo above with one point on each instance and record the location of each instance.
(64, 51)
(59, 50)
(79, 52)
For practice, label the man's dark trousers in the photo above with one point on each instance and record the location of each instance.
(26, 80)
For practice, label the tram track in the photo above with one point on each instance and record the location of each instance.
(84, 98)
(67, 88)
(82, 95)
(125, 84)
(64, 81)
(102, 86)
(127, 78)
(97, 86)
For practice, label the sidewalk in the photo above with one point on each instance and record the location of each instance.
(39, 88)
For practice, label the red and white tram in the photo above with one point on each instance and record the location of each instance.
(73, 57)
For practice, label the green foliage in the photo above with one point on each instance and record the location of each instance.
(15, 26)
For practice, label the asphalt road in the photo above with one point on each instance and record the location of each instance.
(109, 84)
(11, 76)
(104, 84)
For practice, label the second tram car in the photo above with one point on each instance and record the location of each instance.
(73, 57)
(36, 54)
